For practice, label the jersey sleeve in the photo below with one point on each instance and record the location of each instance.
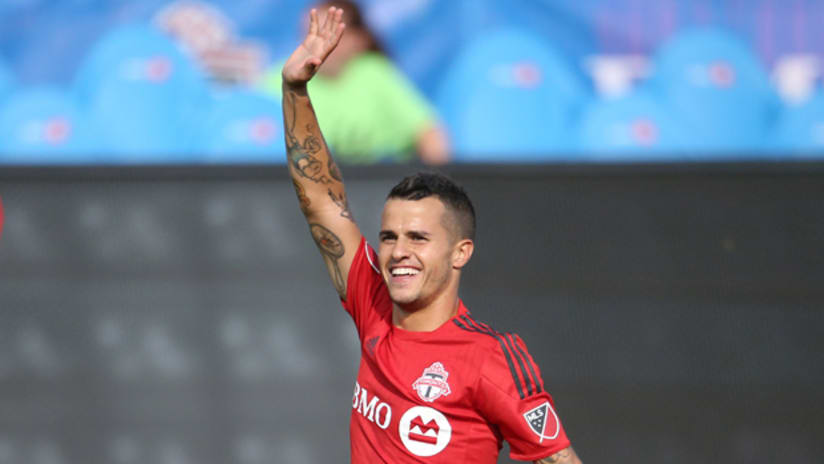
(364, 288)
(512, 396)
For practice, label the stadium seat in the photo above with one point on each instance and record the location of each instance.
(799, 131)
(719, 89)
(6, 81)
(242, 127)
(509, 96)
(633, 128)
(43, 125)
(141, 91)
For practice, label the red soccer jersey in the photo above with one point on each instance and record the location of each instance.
(447, 396)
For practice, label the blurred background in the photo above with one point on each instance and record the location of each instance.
(111, 82)
(648, 176)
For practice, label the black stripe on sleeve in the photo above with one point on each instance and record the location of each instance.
(472, 328)
(511, 344)
(528, 362)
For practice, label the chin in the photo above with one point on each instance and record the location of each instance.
(403, 300)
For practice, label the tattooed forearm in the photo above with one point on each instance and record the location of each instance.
(565, 456)
(304, 200)
(301, 154)
(343, 203)
(331, 247)
(334, 171)
(311, 144)
(307, 166)
(290, 114)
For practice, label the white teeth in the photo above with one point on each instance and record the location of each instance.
(398, 271)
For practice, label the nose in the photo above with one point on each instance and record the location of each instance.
(399, 250)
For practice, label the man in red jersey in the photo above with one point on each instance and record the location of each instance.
(434, 384)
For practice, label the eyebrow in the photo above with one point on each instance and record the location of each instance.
(392, 233)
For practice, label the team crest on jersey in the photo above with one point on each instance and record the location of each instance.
(543, 421)
(432, 384)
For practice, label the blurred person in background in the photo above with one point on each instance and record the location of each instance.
(433, 382)
(369, 111)
(209, 36)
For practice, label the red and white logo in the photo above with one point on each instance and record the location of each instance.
(432, 384)
(543, 421)
(424, 431)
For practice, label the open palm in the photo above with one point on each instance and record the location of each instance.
(319, 43)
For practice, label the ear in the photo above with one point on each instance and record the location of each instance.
(462, 252)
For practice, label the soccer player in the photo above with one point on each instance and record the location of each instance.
(434, 384)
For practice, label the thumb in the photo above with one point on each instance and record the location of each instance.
(312, 64)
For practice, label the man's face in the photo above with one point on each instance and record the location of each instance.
(415, 251)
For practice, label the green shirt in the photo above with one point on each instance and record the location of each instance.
(369, 113)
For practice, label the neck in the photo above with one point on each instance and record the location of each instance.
(429, 317)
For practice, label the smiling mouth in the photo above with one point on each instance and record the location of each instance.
(404, 272)
(402, 275)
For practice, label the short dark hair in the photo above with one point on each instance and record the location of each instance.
(453, 196)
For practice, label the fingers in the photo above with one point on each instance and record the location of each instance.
(313, 21)
(331, 23)
(335, 14)
(339, 32)
(327, 19)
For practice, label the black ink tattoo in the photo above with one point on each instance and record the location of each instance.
(343, 203)
(334, 171)
(311, 144)
(300, 154)
(331, 247)
(308, 166)
(304, 200)
(565, 456)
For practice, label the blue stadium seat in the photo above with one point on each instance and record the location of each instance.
(633, 128)
(799, 131)
(719, 89)
(6, 81)
(509, 96)
(141, 91)
(242, 127)
(43, 125)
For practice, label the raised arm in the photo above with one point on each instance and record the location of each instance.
(316, 177)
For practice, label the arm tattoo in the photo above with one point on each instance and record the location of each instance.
(343, 203)
(304, 200)
(565, 456)
(300, 155)
(311, 144)
(331, 247)
(334, 171)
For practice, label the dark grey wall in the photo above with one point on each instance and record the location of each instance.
(183, 316)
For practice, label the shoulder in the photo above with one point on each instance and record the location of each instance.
(507, 363)
(480, 333)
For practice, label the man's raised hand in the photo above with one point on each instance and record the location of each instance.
(319, 43)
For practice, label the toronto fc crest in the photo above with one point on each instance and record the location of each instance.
(432, 384)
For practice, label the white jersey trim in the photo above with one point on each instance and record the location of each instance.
(366, 248)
